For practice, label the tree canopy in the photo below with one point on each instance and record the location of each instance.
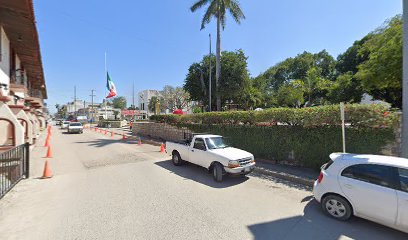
(372, 65)
(235, 86)
(119, 102)
(381, 73)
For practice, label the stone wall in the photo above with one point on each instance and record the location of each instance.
(160, 131)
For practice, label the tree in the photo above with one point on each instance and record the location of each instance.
(235, 78)
(181, 98)
(316, 71)
(119, 102)
(291, 94)
(153, 102)
(381, 74)
(132, 107)
(345, 89)
(218, 9)
(168, 97)
(250, 98)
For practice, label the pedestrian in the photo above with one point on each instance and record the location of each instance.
(130, 125)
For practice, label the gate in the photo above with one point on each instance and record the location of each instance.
(14, 166)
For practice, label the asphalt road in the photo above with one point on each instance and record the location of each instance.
(104, 188)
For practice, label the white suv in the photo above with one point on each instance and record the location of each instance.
(368, 186)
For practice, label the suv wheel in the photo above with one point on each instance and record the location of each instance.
(217, 172)
(176, 159)
(337, 207)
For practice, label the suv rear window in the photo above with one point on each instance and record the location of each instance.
(327, 165)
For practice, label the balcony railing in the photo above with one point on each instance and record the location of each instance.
(35, 93)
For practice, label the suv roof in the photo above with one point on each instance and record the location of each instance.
(367, 158)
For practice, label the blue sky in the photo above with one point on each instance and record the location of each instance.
(152, 43)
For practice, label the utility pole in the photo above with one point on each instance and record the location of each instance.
(133, 94)
(209, 84)
(404, 133)
(92, 105)
(75, 100)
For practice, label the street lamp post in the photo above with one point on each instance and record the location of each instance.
(209, 84)
(404, 144)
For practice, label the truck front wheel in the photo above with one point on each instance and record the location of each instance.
(217, 172)
(176, 158)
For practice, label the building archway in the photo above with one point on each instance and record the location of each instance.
(8, 138)
(24, 123)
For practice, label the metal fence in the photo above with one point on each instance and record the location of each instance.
(14, 166)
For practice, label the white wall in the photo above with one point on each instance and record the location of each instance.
(144, 97)
(4, 61)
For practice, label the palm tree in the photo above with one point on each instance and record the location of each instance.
(217, 9)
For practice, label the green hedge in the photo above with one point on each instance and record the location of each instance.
(311, 147)
(362, 115)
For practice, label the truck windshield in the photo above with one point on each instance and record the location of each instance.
(75, 124)
(215, 143)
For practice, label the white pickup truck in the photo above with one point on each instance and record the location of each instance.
(211, 152)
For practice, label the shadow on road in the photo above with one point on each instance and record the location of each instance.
(315, 225)
(281, 181)
(105, 142)
(199, 174)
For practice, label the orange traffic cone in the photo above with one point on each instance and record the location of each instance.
(112, 134)
(47, 141)
(162, 149)
(124, 137)
(96, 129)
(106, 132)
(47, 171)
(140, 141)
(49, 153)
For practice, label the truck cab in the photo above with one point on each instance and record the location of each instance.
(212, 153)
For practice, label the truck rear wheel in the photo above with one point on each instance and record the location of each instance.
(217, 172)
(176, 159)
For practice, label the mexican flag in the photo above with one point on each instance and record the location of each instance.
(111, 87)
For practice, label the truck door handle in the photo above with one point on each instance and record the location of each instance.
(348, 186)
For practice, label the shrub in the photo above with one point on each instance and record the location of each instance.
(358, 115)
(308, 147)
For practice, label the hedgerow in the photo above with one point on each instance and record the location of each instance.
(358, 115)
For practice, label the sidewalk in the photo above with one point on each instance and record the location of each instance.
(299, 175)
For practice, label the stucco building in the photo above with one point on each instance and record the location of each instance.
(22, 84)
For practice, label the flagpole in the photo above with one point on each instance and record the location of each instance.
(106, 100)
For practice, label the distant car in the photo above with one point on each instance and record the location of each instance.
(75, 127)
(368, 186)
(58, 122)
(65, 124)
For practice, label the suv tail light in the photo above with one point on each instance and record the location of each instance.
(320, 178)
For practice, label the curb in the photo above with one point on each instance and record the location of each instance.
(285, 176)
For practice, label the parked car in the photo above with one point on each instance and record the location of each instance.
(65, 124)
(211, 152)
(75, 127)
(367, 186)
